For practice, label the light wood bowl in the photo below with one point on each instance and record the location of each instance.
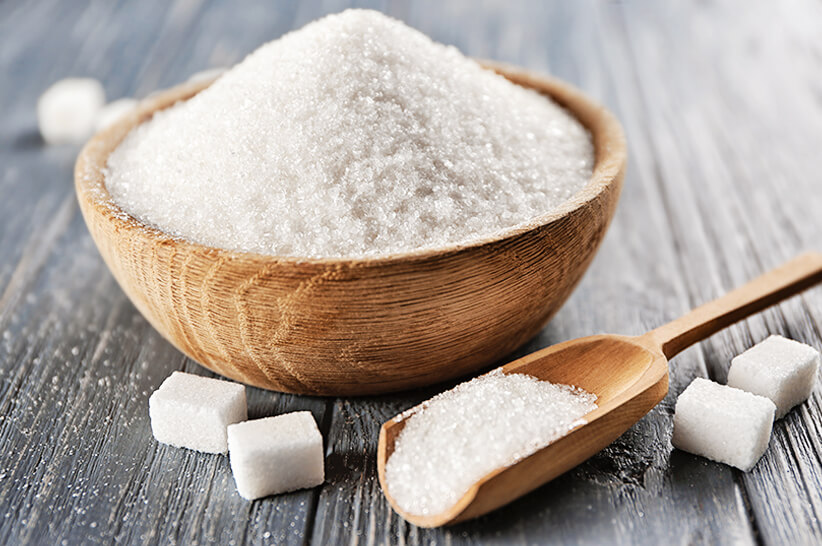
(348, 326)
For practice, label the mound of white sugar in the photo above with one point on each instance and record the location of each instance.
(461, 435)
(354, 136)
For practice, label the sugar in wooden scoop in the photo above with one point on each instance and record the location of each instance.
(353, 136)
(459, 436)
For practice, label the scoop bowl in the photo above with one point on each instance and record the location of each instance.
(629, 376)
(355, 326)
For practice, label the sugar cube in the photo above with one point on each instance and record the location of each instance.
(206, 75)
(276, 454)
(722, 423)
(67, 111)
(113, 112)
(778, 368)
(193, 412)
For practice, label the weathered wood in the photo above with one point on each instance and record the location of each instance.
(628, 375)
(740, 183)
(77, 362)
(722, 112)
(636, 490)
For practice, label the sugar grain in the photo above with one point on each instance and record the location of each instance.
(461, 435)
(354, 136)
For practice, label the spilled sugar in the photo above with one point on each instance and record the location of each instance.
(459, 436)
(354, 136)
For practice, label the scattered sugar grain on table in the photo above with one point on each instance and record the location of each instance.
(459, 436)
(353, 136)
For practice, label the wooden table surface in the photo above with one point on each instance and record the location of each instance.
(722, 106)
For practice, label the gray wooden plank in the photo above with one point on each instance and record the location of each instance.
(637, 490)
(741, 182)
(693, 86)
(77, 362)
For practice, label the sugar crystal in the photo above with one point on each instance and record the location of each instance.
(353, 136)
(459, 436)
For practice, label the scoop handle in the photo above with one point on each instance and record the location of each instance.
(778, 284)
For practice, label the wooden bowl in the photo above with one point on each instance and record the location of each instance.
(355, 326)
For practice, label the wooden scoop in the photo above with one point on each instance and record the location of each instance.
(629, 375)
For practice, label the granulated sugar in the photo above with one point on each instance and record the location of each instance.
(461, 435)
(354, 136)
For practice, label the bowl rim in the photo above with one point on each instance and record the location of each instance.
(609, 162)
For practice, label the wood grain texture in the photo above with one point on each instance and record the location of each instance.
(722, 112)
(628, 376)
(347, 326)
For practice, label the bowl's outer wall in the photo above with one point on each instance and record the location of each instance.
(348, 327)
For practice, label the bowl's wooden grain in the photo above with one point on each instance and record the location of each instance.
(350, 327)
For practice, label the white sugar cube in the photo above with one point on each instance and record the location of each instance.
(67, 111)
(778, 368)
(114, 112)
(206, 75)
(193, 412)
(276, 454)
(722, 423)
